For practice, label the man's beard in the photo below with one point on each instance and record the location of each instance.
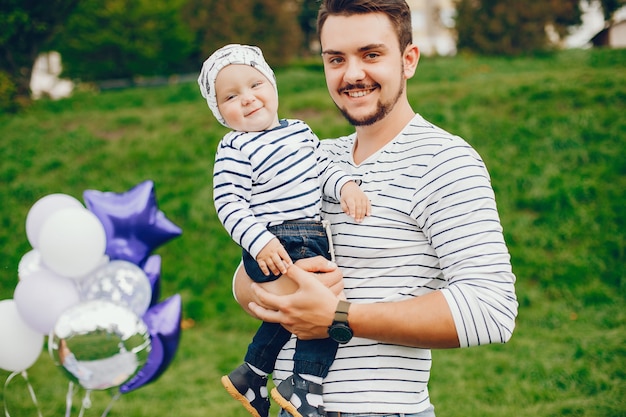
(382, 109)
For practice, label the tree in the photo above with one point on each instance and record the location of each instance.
(124, 38)
(609, 7)
(307, 18)
(511, 28)
(27, 27)
(270, 24)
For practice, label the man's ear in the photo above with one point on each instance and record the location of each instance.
(410, 59)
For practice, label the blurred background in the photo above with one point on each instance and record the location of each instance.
(46, 48)
(101, 95)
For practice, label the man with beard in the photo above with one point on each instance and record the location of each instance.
(429, 269)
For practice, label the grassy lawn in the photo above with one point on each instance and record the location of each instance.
(552, 131)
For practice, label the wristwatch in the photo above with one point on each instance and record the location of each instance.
(340, 331)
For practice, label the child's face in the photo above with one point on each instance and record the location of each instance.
(246, 99)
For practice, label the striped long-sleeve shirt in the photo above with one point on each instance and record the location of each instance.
(264, 178)
(434, 226)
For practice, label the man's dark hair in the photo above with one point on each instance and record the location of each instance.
(397, 11)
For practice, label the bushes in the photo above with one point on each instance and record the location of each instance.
(8, 94)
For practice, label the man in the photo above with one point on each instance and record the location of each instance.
(429, 268)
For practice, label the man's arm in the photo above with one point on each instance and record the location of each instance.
(424, 321)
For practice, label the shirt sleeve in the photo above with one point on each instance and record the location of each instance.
(460, 218)
(232, 190)
(332, 178)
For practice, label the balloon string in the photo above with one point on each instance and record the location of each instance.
(30, 390)
(6, 384)
(68, 399)
(86, 403)
(113, 400)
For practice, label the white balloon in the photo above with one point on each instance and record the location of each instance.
(42, 209)
(20, 345)
(72, 242)
(43, 297)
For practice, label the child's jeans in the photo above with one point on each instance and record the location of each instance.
(301, 239)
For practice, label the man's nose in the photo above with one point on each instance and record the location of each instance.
(354, 71)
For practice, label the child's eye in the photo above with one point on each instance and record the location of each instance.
(257, 84)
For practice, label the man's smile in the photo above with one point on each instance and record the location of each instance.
(356, 91)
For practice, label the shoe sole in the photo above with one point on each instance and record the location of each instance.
(285, 404)
(230, 388)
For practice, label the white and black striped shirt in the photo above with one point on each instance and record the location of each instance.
(434, 226)
(264, 178)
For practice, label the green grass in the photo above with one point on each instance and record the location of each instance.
(552, 131)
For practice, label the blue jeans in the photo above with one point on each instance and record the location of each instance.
(429, 412)
(301, 239)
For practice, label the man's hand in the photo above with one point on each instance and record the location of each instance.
(308, 311)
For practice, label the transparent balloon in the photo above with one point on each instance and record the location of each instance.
(29, 263)
(121, 282)
(99, 344)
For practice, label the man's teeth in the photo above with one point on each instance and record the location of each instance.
(357, 93)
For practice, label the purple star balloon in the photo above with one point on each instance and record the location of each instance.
(152, 268)
(133, 223)
(163, 321)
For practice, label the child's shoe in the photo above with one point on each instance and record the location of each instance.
(296, 386)
(249, 388)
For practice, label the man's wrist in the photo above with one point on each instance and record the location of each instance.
(340, 330)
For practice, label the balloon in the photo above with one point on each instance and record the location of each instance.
(121, 282)
(152, 268)
(163, 321)
(134, 226)
(20, 345)
(42, 209)
(72, 242)
(30, 262)
(99, 344)
(42, 297)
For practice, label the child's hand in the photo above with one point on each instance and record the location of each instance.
(273, 257)
(354, 202)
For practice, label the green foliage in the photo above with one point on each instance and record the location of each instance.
(495, 27)
(7, 93)
(551, 131)
(270, 24)
(123, 39)
(26, 28)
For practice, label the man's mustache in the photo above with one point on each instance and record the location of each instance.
(360, 86)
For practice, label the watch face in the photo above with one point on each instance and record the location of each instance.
(340, 333)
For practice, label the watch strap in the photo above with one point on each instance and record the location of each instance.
(341, 313)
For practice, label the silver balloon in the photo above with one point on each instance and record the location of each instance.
(99, 344)
(121, 282)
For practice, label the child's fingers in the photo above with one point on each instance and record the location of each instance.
(264, 267)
